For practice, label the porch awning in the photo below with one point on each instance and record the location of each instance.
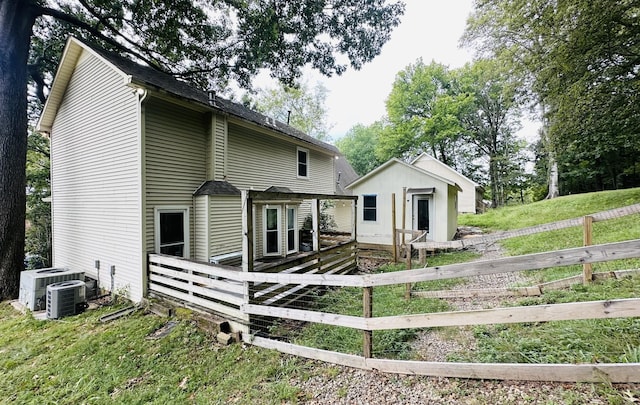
(427, 190)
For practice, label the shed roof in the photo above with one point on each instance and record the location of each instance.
(396, 161)
(426, 156)
(150, 78)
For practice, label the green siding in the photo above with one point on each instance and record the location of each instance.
(175, 145)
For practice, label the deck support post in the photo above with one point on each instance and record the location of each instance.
(247, 241)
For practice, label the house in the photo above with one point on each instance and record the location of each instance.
(471, 196)
(144, 163)
(430, 205)
(341, 211)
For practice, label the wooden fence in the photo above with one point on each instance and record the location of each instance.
(194, 281)
(224, 289)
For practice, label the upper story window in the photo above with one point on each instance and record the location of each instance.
(303, 162)
(369, 207)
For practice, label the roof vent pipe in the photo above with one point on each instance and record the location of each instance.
(288, 116)
(212, 97)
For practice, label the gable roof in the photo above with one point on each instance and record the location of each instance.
(424, 155)
(344, 175)
(404, 164)
(146, 77)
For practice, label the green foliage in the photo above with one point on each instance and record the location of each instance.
(213, 43)
(579, 61)
(81, 360)
(359, 146)
(590, 341)
(38, 233)
(423, 108)
(567, 207)
(542, 212)
(459, 116)
(303, 108)
(387, 301)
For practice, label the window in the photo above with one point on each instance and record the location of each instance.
(303, 163)
(271, 230)
(292, 234)
(369, 208)
(172, 231)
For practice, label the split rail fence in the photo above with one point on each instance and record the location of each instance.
(166, 270)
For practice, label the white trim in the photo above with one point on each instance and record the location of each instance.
(431, 210)
(295, 228)
(306, 151)
(278, 209)
(185, 220)
(364, 207)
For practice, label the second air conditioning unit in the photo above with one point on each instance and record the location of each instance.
(66, 298)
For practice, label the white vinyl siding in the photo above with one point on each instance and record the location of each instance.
(467, 197)
(261, 161)
(175, 147)
(95, 177)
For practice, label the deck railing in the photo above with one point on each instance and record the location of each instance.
(224, 289)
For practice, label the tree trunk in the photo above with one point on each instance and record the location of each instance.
(554, 190)
(16, 22)
(493, 178)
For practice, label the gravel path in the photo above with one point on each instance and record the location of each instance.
(330, 384)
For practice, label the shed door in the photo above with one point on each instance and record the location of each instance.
(422, 214)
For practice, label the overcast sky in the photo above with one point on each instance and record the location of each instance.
(429, 29)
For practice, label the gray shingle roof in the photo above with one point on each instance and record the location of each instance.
(148, 76)
(212, 187)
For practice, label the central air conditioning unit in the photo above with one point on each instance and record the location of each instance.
(33, 285)
(66, 298)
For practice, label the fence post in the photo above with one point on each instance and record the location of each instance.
(367, 312)
(394, 239)
(587, 269)
(407, 292)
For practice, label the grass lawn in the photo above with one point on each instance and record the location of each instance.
(82, 360)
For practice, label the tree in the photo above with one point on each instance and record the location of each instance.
(490, 120)
(582, 63)
(423, 109)
(299, 106)
(38, 233)
(359, 146)
(459, 116)
(208, 43)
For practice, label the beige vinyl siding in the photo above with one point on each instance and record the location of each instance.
(258, 161)
(219, 135)
(201, 231)
(95, 178)
(175, 147)
(225, 229)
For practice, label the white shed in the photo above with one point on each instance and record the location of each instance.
(471, 194)
(431, 203)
